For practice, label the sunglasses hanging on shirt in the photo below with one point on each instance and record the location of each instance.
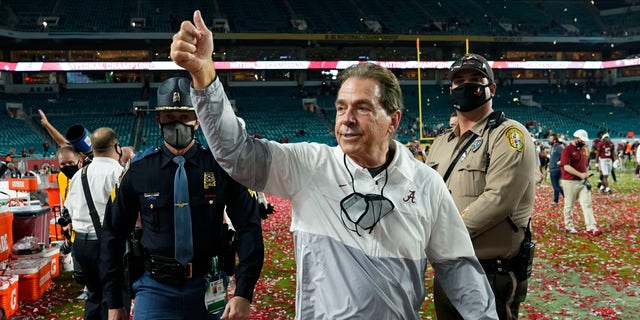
(363, 211)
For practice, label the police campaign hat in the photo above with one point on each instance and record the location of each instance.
(174, 94)
(472, 61)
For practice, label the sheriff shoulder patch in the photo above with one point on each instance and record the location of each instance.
(515, 138)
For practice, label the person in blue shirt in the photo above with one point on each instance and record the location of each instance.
(554, 168)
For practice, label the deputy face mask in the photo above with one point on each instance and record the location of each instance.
(469, 96)
(177, 134)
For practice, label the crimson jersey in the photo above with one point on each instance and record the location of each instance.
(606, 150)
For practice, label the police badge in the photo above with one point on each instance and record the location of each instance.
(476, 144)
(209, 180)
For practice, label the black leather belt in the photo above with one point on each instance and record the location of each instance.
(170, 271)
(498, 265)
(86, 236)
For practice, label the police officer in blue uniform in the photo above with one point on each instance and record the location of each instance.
(169, 289)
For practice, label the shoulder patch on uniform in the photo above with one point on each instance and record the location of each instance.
(515, 138)
(114, 190)
(146, 153)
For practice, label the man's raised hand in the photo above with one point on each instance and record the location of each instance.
(192, 49)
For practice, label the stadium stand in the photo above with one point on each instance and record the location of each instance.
(123, 124)
(332, 16)
(264, 16)
(17, 134)
(82, 101)
(28, 13)
(277, 111)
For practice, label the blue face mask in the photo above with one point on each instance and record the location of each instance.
(469, 96)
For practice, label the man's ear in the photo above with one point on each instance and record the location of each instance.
(492, 88)
(395, 121)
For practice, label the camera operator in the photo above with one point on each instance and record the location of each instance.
(76, 137)
(68, 160)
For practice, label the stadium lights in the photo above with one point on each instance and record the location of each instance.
(46, 22)
(138, 22)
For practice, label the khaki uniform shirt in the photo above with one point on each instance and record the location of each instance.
(492, 184)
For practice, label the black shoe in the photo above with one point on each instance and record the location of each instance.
(83, 296)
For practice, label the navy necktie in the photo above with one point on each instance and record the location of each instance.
(182, 214)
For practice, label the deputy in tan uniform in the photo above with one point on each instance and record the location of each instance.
(491, 179)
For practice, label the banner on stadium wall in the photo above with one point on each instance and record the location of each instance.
(305, 65)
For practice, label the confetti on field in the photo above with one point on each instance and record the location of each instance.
(574, 277)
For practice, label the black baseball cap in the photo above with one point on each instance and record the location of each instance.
(174, 94)
(472, 61)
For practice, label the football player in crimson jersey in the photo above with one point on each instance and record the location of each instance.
(605, 155)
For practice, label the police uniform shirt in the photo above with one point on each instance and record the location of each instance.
(102, 174)
(147, 187)
(492, 181)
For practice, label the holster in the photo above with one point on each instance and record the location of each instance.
(521, 265)
(133, 260)
(78, 276)
(228, 252)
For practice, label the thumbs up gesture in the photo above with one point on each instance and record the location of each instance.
(192, 49)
